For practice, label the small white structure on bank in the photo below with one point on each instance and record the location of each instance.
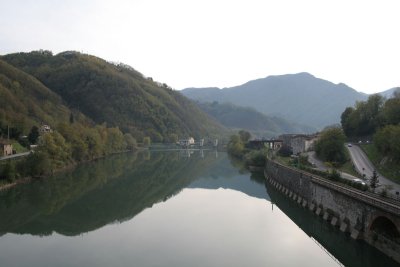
(186, 142)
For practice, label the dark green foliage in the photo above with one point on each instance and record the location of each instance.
(374, 180)
(130, 141)
(256, 158)
(7, 171)
(33, 135)
(330, 146)
(285, 151)
(365, 118)
(387, 141)
(236, 146)
(71, 118)
(391, 111)
(244, 136)
(146, 141)
(117, 95)
(379, 118)
(25, 102)
(38, 164)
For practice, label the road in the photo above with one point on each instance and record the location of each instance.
(364, 166)
(15, 155)
(321, 166)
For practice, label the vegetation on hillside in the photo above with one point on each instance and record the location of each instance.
(25, 102)
(69, 145)
(237, 117)
(379, 118)
(118, 95)
(330, 145)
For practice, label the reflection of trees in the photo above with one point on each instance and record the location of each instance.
(95, 194)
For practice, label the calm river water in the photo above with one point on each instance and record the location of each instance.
(167, 209)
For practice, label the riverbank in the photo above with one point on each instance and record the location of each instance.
(69, 167)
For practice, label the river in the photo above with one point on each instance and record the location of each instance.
(176, 208)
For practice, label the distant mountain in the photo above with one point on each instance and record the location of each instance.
(389, 93)
(300, 97)
(117, 95)
(237, 117)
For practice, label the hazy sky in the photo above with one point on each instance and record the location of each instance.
(218, 43)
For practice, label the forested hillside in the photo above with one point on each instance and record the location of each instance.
(117, 95)
(25, 102)
(237, 117)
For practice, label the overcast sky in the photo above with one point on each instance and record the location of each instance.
(218, 43)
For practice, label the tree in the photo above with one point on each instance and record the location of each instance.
(387, 141)
(71, 118)
(330, 146)
(374, 180)
(346, 121)
(33, 135)
(9, 171)
(236, 146)
(146, 141)
(130, 141)
(244, 136)
(391, 111)
(173, 138)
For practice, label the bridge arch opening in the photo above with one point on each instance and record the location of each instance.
(384, 226)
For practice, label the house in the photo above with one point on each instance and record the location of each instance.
(299, 143)
(186, 142)
(6, 148)
(45, 129)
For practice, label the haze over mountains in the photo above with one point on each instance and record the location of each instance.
(301, 98)
(259, 124)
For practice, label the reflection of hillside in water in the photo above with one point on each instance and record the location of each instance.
(224, 175)
(348, 251)
(102, 192)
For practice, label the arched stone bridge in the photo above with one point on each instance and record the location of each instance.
(364, 215)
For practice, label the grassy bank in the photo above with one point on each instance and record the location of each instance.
(388, 169)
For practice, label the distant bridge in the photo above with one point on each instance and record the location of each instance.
(259, 144)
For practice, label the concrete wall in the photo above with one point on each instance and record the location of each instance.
(339, 207)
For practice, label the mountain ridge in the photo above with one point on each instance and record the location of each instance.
(116, 94)
(299, 97)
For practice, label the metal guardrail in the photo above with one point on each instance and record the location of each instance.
(390, 205)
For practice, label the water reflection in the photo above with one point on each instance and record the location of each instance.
(109, 190)
(217, 214)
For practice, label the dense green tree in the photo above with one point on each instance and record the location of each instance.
(236, 146)
(244, 136)
(374, 180)
(391, 111)
(146, 141)
(387, 141)
(365, 118)
(9, 171)
(33, 135)
(130, 141)
(330, 146)
(172, 138)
